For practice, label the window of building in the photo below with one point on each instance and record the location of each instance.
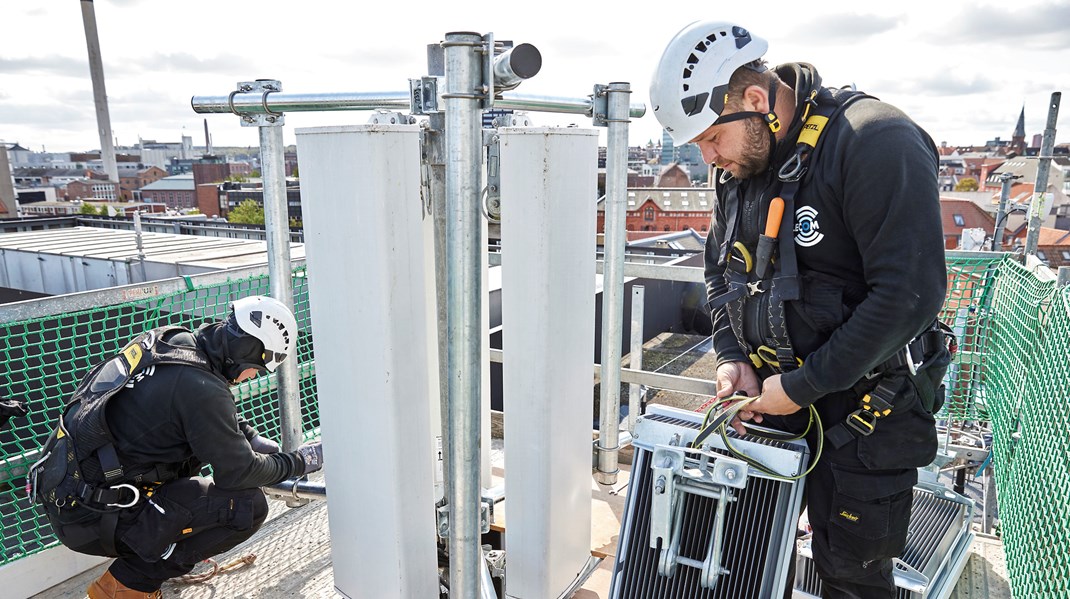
(631, 202)
(683, 194)
(959, 221)
(667, 203)
(664, 194)
(685, 202)
(631, 194)
(648, 214)
(1066, 255)
(1042, 255)
(667, 228)
(705, 228)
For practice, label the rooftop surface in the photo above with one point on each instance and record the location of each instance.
(292, 550)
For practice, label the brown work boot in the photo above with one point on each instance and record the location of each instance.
(106, 587)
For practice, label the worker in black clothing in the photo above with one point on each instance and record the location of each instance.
(119, 476)
(825, 273)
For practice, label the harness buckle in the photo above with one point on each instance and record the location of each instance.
(861, 421)
(133, 502)
(755, 287)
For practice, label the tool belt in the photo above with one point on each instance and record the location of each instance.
(922, 363)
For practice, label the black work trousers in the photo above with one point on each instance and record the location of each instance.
(198, 518)
(858, 497)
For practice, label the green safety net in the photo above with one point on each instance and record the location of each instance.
(44, 358)
(1011, 372)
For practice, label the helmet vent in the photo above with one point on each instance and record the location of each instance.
(255, 317)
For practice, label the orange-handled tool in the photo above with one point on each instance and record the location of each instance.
(767, 242)
(776, 213)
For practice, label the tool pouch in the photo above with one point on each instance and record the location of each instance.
(152, 531)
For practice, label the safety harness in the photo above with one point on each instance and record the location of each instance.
(780, 284)
(752, 285)
(80, 465)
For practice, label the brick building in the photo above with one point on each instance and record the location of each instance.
(92, 189)
(130, 184)
(665, 209)
(176, 192)
(957, 215)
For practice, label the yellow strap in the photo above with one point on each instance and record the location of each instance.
(812, 129)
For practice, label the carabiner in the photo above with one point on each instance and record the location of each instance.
(137, 496)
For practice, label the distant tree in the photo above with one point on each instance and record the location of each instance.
(237, 178)
(88, 208)
(967, 184)
(295, 223)
(255, 173)
(295, 174)
(247, 213)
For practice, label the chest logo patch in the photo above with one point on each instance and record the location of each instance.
(807, 230)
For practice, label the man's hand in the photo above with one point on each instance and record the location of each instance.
(774, 401)
(262, 444)
(311, 456)
(738, 377)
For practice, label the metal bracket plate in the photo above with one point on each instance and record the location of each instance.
(600, 106)
(675, 475)
(423, 96)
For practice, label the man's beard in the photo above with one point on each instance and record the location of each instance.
(755, 156)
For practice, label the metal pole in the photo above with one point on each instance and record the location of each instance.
(1001, 212)
(100, 95)
(277, 223)
(617, 112)
(636, 353)
(1040, 189)
(140, 245)
(242, 104)
(464, 295)
(296, 489)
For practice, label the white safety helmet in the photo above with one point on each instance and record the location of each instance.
(270, 321)
(690, 84)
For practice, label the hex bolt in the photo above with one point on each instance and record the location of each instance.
(659, 486)
(730, 473)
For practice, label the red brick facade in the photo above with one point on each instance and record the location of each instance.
(666, 209)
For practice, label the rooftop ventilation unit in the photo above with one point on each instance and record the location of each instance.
(699, 524)
(938, 544)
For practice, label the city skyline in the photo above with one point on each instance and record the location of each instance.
(963, 70)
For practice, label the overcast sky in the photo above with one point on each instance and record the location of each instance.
(962, 69)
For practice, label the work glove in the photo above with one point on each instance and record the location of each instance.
(262, 444)
(11, 408)
(310, 456)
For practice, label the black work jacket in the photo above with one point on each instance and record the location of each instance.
(868, 241)
(184, 416)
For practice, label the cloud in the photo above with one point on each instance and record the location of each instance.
(845, 28)
(63, 66)
(188, 63)
(1042, 27)
(950, 84)
(62, 116)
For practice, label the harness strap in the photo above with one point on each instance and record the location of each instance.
(109, 521)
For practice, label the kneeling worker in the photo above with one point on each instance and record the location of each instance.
(119, 475)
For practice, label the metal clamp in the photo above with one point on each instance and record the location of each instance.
(675, 476)
(266, 118)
